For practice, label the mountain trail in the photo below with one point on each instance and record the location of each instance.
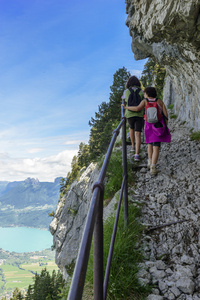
(170, 211)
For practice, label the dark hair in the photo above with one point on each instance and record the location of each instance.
(151, 92)
(133, 81)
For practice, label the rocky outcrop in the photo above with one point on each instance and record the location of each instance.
(171, 215)
(169, 31)
(68, 223)
(69, 220)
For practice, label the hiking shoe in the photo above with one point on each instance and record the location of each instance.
(136, 157)
(149, 164)
(153, 170)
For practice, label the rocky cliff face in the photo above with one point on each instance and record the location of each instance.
(68, 223)
(169, 31)
(69, 220)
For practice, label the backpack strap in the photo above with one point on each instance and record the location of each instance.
(134, 90)
(164, 117)
(131, 90)
(151, 100)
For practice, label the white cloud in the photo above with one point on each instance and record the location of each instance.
(75, 142)
(45, 169)
(137, 73)
(35, 150)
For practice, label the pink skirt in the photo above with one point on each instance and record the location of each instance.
(157, 132)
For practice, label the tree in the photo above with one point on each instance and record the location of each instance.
(71, 176)
(159, 80)
(101, 128)
(107, 116)
(147, 77)
(119, 80)
(46, 286)
(83, 155)
(153, 75)
(17, 295)
(29, 293)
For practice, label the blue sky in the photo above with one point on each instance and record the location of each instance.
(57, 60)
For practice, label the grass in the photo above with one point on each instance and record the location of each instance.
(37, 267)
(114, 173)
(15, 277)
(171, 106)
(195, 136)
(123, 282)
(173, 116)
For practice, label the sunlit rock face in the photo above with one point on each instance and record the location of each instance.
(170, 31)
(69, 220)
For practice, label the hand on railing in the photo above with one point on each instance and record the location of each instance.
(122, 108)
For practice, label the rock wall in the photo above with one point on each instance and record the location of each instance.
(70, 216)
(169, 31)
(68, 223)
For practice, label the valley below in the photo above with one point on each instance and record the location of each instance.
(18, 269)
(25, 204)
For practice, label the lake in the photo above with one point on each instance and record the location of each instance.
(23, 239)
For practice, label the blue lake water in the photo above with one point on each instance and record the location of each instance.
(23, 239)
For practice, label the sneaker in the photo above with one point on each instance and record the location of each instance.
(136, 157)
(132, 150)
(153, 170)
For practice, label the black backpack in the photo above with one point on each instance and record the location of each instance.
(134, 98)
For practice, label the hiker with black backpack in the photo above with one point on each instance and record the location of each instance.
(132, 96)
(156, 130)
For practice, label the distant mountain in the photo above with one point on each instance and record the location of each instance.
(28, 202)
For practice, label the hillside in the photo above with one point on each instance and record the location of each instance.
(28, 202)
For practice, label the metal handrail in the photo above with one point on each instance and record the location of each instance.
(94, 224)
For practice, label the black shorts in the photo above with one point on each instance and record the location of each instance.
(156, 144)
(136, 123)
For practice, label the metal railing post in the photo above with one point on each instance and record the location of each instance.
(94, 225)
(98, 250)
(125, 173)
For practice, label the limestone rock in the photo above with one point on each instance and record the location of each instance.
(173, 251)
(186, 285)
(169, 31)
(68, 223)
(154, 297)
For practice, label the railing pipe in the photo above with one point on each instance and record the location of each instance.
(94, 223)
(98, 252)
(125, 173)
(124, 162)
(109, 152)
(76, 288)
(107, 273)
